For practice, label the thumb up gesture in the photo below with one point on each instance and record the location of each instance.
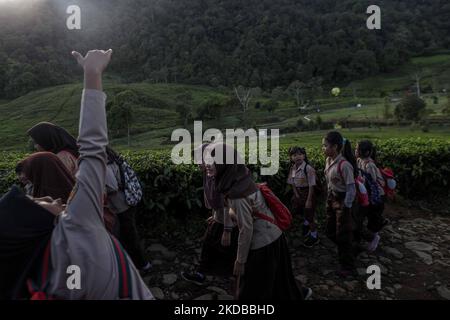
(94, 62)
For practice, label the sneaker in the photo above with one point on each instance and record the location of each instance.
(195, 277)
(146, 269)
(310, 241)
(374, 244)
(307, 293)
(305, 230)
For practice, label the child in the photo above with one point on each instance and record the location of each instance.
(340, 173)
(366, 157)
(45, 175)
(302, 178)
(126, 214)
(220, 243)
(263, 258)
(52, 138)
(79, 237)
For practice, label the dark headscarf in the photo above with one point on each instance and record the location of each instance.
(48, 175)
(234, 179)
(25, 230)
(53, 138)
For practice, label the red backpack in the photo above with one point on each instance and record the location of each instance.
(389, 182)
(361, 192)
(282, 216)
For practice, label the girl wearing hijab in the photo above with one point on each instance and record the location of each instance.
(52, 138)
(79, 237)
(263, 259)
(47, 175)
(220, 243)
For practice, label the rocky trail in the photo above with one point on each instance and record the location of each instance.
(413, 255)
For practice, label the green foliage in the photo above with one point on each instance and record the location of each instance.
(421, 166)
(410, 108)
(256, 43)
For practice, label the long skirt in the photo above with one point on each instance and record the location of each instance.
(216, 259)
(268, 274)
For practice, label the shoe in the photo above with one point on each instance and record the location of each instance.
(386, 222)
(310, 241)
(374, 244)
(195, 277)
(146, 269)
(307, 293)
(305, 230)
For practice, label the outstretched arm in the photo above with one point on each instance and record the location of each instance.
(87, 196)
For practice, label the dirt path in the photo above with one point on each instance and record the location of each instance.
(414, 258)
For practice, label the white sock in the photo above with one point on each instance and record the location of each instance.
(314, 234)
(147, 266)
(306, 223)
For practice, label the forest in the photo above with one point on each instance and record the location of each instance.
(254, 43)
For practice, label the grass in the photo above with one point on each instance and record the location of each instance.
(156, 118)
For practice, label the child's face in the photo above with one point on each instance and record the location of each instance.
(356, 151)
(22, 178)
(297, 157)
(328, 149)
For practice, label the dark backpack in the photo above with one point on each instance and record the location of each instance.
(130, 183)
(372, 188)
(37, 287)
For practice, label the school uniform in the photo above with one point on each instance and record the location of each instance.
(125, 216)
(375, 220)
(79, 237)
(215, 258)
(69, 160)
(262, 247)
(339, 227)
(302, 182)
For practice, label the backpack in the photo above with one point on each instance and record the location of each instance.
(390, 183)
(130, 182)
(372, 188)
(318, 188)
(37, 288)
(361, 192)
(282, 216)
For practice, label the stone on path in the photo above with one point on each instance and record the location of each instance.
(426, 258)
(205, 297)
(169, 279)
(393, 252)
(444, 292)
(217, 290)
(157, 293)
(418, 246)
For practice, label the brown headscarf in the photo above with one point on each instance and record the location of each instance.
(53, 138)
(48, 175)
(234, 179)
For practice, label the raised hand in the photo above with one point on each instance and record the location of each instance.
(95, 61)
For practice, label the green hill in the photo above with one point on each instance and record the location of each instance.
(156, 116)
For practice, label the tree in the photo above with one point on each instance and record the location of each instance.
(121, 113)
(271, 105)
(296, 88)
(319, 122)
(244, 96)
(387, 109)
(446, 110)
(417, 76)
(411, 108)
